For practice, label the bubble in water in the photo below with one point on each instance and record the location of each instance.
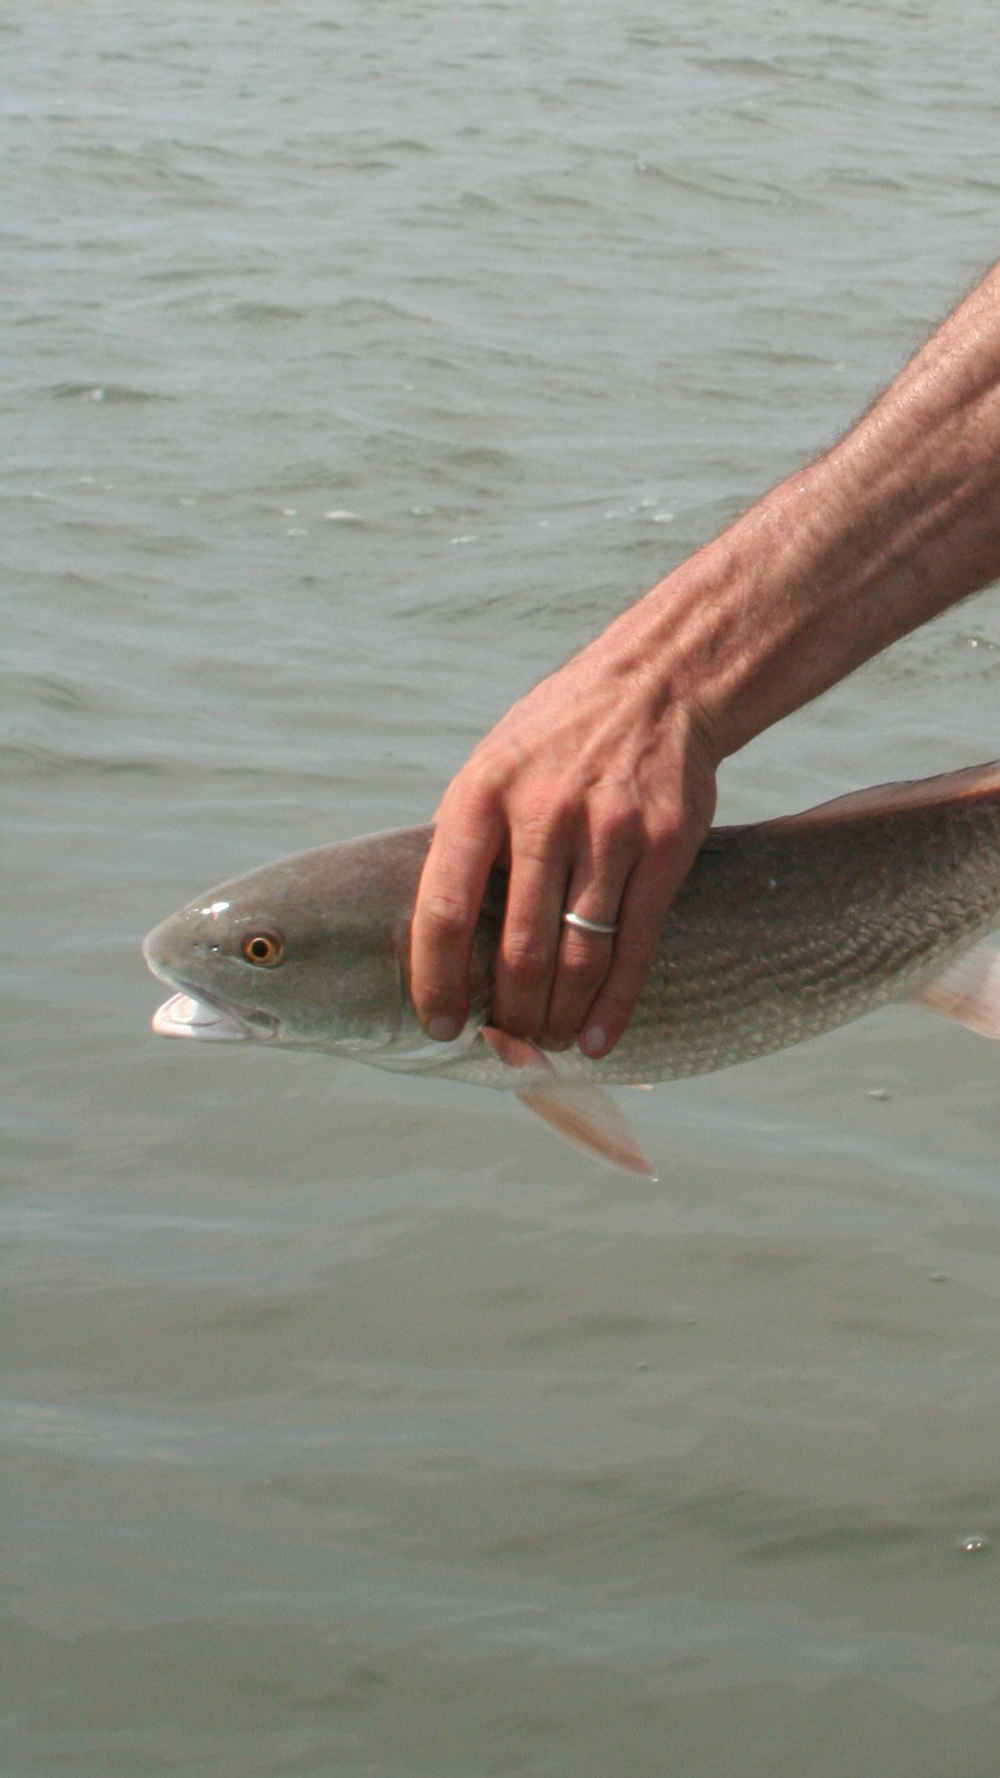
(974, 1545)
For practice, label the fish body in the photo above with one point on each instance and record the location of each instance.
(783, 930)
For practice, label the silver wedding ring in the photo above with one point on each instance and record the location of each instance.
(583, 925)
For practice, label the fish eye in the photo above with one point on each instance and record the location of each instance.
(263, 948)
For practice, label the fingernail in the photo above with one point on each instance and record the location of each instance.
(594, 1040)
(443, 1028)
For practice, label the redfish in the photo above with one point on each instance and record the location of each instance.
(783, 930)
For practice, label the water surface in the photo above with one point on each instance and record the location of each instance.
(361, 362)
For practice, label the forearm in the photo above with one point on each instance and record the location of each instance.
(898, 521)
(598, 787)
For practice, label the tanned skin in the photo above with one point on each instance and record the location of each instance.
(597, 789)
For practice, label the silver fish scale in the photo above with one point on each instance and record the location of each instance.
(782, 932)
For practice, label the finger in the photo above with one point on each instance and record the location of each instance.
(449, 897)
(584, 958)
(526, 957)
(647, 896)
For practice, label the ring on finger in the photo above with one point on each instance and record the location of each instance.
(581, 924)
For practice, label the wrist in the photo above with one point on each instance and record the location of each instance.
(694, 647)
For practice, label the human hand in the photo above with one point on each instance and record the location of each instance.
(595, 791)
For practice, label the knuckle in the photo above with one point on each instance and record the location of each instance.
(525, 959)
(546, 808)
(580, 966)
(618, 999)
(446, 919)
(616, 829)
(535, 835)
(666, 830)
(440, 997)
(633, 957)
(473, 799)
(675, 830)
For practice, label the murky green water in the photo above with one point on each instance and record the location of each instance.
(361, 361)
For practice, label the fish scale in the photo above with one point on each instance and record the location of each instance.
(860, 914)
(782, 930)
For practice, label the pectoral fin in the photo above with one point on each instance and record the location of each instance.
(517, 1052)
(969, 992)
(589, 1117)
(583, 1113)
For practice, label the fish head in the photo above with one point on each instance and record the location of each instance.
(311, 951)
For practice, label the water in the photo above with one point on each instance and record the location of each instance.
(361, 361)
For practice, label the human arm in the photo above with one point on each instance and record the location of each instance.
(598, 787)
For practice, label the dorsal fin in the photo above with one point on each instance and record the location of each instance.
(886, 799)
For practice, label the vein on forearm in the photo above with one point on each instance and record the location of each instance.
(896, 522)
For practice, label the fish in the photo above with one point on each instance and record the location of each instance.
(783, 930)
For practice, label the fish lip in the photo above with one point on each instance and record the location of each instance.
(182, 1016)
(263, 1027)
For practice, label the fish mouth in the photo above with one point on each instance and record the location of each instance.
(193, 1013)
(197, 1012)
